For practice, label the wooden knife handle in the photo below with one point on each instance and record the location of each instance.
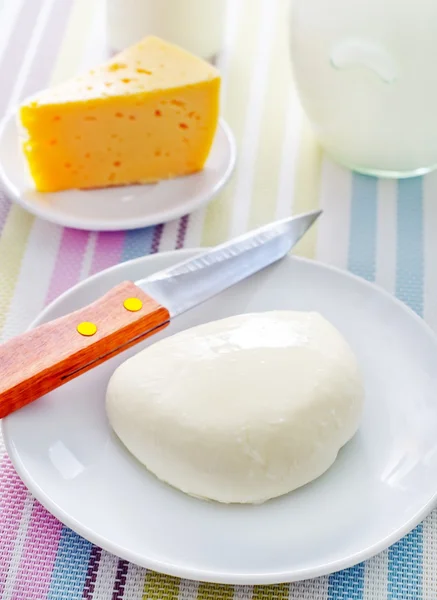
(44, 358)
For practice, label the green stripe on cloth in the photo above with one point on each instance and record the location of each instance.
(214, 591)
(160, 587)
(12, 246)
(271, 592)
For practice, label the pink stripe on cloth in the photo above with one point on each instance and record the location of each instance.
(157, 235)
(182, 232)
(68, 263)
(12, 499)
(38, 557)
(91, 576)
(108, 250)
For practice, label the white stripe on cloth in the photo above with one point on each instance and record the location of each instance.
(243, 592)
(8, 17)
(169, 236)
(386, 235)
(429, 564)
(290, 150)
(88, 256)
(335, 200)
(196, 221)
(313, 589)
(375, 577)
(249, 147)
(96, 46)
(188, 590)
(193, 236)
(105, 576)
(133, 590)
(30, 53)
(430, 249)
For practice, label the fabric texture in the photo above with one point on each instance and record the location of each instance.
(381, 230)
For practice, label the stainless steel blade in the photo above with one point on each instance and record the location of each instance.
(193, 281)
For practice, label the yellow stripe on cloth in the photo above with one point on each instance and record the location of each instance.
(160, 587)
(271, 592)
(214, 591)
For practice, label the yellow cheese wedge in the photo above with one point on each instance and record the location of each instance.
(148, 114)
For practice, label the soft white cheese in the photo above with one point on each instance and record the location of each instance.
(239, 410)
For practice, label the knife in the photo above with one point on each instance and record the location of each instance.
(41, 359)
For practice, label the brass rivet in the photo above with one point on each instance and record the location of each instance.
(133, 304)
(87, 328)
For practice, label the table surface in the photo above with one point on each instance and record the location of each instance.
(379, 229)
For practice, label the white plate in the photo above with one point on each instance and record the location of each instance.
(125, 207)
(383, 483)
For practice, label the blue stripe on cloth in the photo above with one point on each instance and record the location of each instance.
(363, 222)
(405, 558)
(71, 566)
(410, 252)
(349, 584)
(137, 242)
(405, 567)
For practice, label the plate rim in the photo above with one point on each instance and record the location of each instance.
(183, 572)
(126, 224)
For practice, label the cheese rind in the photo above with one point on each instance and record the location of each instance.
(148, 114)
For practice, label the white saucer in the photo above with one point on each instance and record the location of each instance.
(109, 209)
(382, 484)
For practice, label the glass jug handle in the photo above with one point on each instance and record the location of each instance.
(355, 52)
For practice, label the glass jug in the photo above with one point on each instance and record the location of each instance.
(366, 73)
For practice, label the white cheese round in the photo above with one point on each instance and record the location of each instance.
(239, 410)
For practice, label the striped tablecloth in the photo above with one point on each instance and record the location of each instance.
(384, 231)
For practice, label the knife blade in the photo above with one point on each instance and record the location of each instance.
(40, 360)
